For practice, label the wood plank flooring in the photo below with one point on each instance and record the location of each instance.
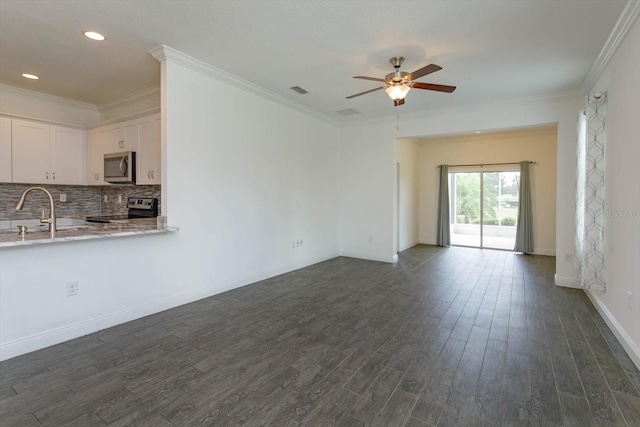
(445, 337)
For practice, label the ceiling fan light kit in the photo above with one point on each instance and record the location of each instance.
(397, 92)
(398, 83)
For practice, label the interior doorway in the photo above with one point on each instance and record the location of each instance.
(484, 208)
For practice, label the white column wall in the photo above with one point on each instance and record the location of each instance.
(621, 79)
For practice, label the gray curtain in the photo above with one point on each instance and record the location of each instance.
(524, 229)
(444, 236)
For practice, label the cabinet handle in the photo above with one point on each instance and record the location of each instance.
(54, 176)
(153, 174)
(47, 175)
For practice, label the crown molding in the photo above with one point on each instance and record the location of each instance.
(164, 53)
(40, 120)
(47, 97)
(136, 96)
(124, 118)
(626, 20)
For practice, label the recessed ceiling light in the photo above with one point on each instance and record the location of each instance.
(93, 35)
(30, 76)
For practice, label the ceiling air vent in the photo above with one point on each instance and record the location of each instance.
(299, 90)
(348, 112)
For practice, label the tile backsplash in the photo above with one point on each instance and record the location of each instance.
(81, 200)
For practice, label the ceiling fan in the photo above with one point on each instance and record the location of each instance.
(398, 83)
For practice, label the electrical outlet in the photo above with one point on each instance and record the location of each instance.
(568, 257)
(629, 299)
(119, 198)
(105, 198)
(72, 288)
(63, 197)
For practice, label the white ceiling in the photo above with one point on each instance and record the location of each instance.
(490, 50)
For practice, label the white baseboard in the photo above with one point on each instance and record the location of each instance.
(410, 245)
(632, 348)
(59, 335)
(567, 282)
(545, 252)
(370, 257)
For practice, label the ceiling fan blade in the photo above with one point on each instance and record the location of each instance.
(366, 92)
(431, 86)
(368, 78)
(431, 68)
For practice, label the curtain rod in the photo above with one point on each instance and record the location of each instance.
(491, 164)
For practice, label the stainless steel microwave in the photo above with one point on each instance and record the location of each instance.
(120, 168)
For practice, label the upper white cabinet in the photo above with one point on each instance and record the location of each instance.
(148, 156)
(98, 144)
(5, 150)
(67, 156)
(30, 152)
(124, 137)
(46, 154)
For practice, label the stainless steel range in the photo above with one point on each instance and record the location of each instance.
(139, 208)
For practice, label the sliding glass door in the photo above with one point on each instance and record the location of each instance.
(484, 207)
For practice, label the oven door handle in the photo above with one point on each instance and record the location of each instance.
(123, 166)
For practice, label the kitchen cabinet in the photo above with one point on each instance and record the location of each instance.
(5, 149)
(98, 144)
(124, 137)
(67, 155)
(30, 152)
(148, 155)
(46, 154)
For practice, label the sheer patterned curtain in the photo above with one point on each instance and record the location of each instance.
(444, 221)
(524, 228)
(590, 179)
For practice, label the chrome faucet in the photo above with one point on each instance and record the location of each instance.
(51, 220)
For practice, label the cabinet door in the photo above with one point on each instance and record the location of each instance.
(67, 156)
(98, 144)
(124, 137)
(30, 152)
(5, 149)
(149, 152)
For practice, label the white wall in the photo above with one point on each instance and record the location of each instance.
(368, 169)
(27, 103)
(407, 156)
(367, 203)
(621, 79)
(535, 144)
(244, 177)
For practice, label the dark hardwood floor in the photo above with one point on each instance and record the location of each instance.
(445, 337)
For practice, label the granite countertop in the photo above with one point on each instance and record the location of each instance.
(81, 230)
